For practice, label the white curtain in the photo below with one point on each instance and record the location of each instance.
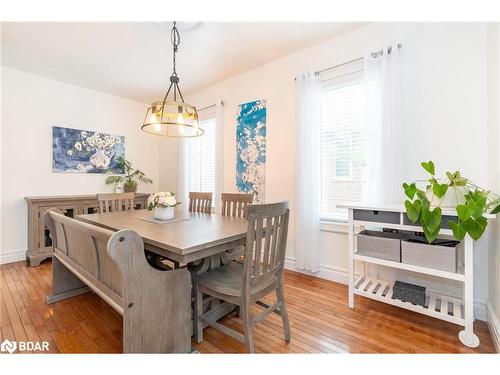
(384, 121)
(219, 154)
(184, 171)
(308, 172)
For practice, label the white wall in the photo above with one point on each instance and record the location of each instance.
(443, 104)
(31, 105)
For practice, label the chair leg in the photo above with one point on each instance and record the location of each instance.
(198, 311)
(247, 327)
(284, 313)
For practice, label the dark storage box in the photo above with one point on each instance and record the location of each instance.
(409, 293)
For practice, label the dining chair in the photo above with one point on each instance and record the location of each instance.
(200, 202)
(115, 202)
(233, 204)
(247, 283)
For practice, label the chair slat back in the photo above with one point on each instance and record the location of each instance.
(200, 202)
(115, 202)
(266, 243)
(234, 204)
(86, 246)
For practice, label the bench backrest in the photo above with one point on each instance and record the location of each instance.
(83, 247)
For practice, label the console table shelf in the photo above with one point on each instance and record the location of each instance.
(436, 305)
(410, 267)
(454, 310)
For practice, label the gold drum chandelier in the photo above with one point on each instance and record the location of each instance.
(171, 117)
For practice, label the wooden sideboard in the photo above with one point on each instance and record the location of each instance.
(39, 241)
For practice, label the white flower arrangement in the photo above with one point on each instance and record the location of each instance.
(162, 199)
(90, 142)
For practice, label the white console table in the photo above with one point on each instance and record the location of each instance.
(458, 311)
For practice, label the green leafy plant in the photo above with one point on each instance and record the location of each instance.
(130, 178)
(421, 206)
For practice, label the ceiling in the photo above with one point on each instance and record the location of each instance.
(133, 60)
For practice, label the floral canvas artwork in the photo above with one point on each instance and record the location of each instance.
(84, 151)
(251, 149)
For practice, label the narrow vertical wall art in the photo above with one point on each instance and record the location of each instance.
(251, 149)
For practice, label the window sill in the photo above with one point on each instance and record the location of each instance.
(333, 225)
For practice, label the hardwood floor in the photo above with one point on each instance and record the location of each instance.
(320, 321)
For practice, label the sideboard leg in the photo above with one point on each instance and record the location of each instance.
(35, 260)
(467, 336)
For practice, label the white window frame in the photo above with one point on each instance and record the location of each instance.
(208, 115)
(335, 77)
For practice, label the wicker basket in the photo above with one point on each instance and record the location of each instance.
(383, 245)
(442, 254)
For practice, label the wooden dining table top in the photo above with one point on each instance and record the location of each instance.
(189, 236)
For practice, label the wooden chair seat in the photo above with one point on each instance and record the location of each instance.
(227, 280)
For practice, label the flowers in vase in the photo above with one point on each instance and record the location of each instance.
(162, 199)
(88, 142)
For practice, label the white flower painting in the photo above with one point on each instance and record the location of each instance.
(84, 151)
(251, 149)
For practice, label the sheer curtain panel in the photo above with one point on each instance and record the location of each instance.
(308, 199)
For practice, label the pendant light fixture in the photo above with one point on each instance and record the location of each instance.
(171, 117)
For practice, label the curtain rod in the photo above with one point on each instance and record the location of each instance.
(373, 54)
(210, 106)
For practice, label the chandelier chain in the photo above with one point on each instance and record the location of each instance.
(176, 40)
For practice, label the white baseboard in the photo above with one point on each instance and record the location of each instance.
(494, 325)
(340, 275)
(13, 256)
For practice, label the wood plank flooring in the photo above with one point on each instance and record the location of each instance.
(321, 321)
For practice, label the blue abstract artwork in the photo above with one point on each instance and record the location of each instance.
(84, 151)
(251, 149)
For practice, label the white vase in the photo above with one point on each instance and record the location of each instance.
(164, 213)
(452, 198)
(100, 160)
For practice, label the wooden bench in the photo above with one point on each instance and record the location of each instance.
(155, 305)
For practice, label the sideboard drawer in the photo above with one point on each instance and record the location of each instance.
(377, 216)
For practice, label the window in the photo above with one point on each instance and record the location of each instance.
(202, 154)
(345, 141)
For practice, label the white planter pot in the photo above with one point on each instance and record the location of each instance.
(164, 213)
(452, 198)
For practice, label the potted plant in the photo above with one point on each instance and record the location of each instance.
(163, 204)
(130, 178)
(471, 202)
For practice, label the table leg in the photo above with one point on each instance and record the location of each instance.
(467, 336)
(351, 259)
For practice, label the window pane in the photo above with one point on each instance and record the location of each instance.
(202, 158)
(344, 142)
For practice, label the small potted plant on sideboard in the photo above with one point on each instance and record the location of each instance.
(130, 178)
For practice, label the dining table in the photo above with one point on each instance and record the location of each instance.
(196, 242)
